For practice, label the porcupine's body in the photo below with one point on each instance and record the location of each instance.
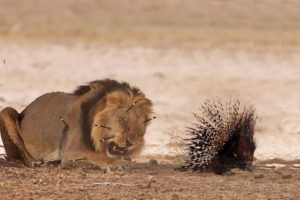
(222, 138)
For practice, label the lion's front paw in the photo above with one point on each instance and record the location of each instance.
(120, 165)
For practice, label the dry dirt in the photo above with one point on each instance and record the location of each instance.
(146, 182)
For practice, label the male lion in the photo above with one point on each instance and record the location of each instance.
(101, 123)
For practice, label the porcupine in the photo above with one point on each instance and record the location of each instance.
(222, 137)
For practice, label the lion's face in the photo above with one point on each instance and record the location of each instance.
(119, 130)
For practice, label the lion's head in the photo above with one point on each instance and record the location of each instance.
(119, 120)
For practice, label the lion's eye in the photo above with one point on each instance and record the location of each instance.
(101, 126)
(128, 143)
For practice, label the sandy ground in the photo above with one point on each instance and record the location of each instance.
(177, 80)
(178, 53)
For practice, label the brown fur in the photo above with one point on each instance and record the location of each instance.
(100, 122)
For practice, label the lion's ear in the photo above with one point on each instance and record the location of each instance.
(115, 100)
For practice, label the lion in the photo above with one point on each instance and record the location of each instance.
(102, 123)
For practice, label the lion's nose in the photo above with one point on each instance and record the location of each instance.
(128, 144)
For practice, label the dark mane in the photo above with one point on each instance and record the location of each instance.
(107, 84)
(82, 89)
(92, 96)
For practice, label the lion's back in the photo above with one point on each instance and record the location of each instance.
(41, 127)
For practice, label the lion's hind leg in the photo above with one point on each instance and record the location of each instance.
(10, 148)
(12, 140)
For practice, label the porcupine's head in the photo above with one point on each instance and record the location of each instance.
(239, 149)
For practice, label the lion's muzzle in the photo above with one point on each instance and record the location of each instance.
(115, 150)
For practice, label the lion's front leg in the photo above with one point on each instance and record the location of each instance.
(100, 160)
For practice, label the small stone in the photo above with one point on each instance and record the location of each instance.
(259, 176)
(37, 181)
(152, 163)
(287, 176)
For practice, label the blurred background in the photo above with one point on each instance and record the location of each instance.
(178, 52)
